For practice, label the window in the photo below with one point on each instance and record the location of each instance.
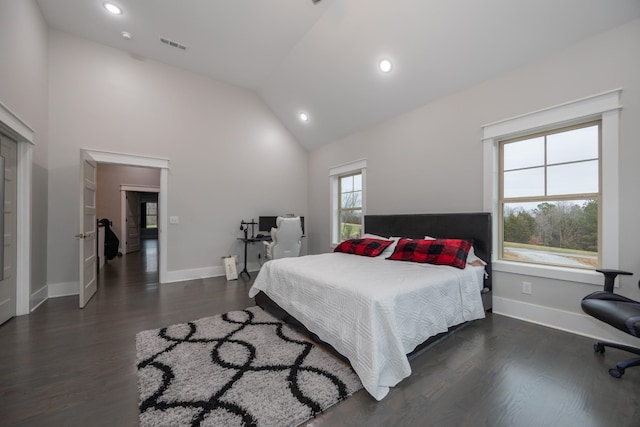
(350, 206)
(347, 183)
(603, 108)
(150, 215)
(550, 197)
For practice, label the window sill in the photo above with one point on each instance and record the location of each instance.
(589, 277)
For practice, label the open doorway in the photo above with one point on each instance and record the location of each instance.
(127, 207)
(88, 260)
(139, 215)
(148, 215)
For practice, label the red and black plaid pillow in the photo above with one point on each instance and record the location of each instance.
(451, 252)
(365, 247)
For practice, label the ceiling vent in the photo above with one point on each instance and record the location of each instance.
(172, 43)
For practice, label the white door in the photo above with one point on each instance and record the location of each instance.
(88, 226)
(132, 242)
(8, 228)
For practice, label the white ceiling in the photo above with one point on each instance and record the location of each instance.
(321, 58)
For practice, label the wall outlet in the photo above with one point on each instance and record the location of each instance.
(174, 220)
(526, 288)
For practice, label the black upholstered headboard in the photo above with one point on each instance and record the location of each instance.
(474, 227)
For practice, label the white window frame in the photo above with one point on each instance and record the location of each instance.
(605, 107)
(335, 172)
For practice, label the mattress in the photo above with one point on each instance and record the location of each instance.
(372, 310)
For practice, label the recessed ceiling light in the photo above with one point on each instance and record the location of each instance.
(126, 35)
(384, 65)
(112, 8)
(304, 117)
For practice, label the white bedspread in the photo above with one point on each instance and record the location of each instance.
(372, 310)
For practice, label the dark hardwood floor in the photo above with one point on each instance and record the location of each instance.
(62, 366)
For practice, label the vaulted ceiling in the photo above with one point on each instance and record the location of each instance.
(322, 58)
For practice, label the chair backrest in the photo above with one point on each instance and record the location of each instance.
(286, 238)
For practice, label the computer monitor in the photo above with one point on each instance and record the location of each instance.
(265, 223)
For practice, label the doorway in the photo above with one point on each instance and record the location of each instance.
(161, 165)
(8, 227)
(23, 135)
(139, 215)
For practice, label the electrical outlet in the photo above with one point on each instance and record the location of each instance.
(526, 288)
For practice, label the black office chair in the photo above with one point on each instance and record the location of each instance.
(618, 311)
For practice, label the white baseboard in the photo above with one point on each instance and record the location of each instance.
(576, 323)
(41, 295)
(63, 289)
(194, 273)
(202, 273)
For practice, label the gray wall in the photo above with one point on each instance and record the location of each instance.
(108, 197)
(24, 90)
(230, 158)
(430, 159)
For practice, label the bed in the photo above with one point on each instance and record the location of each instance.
(375, 311)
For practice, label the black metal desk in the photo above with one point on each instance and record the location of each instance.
(246, 241)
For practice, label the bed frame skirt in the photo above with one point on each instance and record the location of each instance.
(267, 304)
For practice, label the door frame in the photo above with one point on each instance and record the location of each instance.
(16, 128)
(115, 158)
(123, 208)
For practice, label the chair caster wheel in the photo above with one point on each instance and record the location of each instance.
(616, 372)
(598, 348)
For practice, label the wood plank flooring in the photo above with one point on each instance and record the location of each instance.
(62, 366)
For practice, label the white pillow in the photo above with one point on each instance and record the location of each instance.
(473, 257)
(373, 236)
(470, 257)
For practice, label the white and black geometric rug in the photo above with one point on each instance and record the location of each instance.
(242, 368)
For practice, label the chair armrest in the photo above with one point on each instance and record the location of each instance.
(610, 277)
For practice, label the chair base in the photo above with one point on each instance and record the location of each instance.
(618, 371)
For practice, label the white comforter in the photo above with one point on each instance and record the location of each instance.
(372, 310)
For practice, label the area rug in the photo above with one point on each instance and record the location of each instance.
(242, 368)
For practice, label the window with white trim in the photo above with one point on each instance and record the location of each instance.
(347, 200)
(549, 203)
(605, 108)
